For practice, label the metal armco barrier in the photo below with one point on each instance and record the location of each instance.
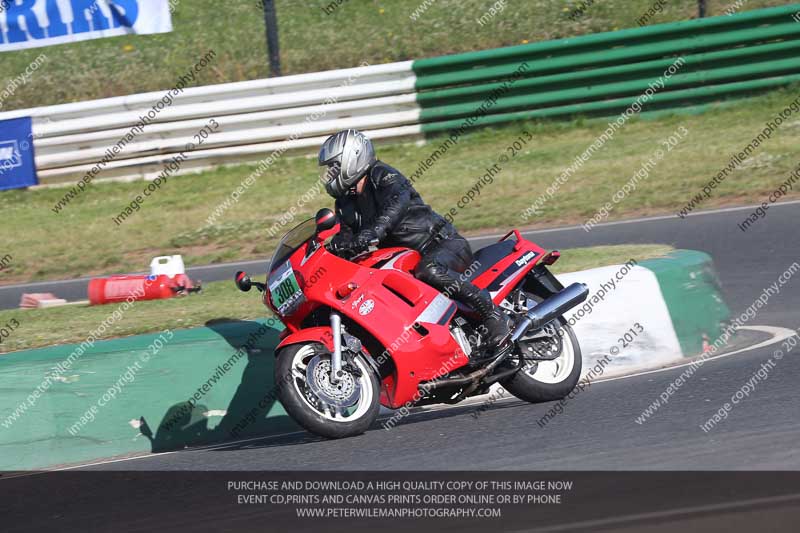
(602, 74)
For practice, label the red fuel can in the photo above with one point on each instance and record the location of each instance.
(121, 288)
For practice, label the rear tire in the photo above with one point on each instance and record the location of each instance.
(309, 409)
(551, 380)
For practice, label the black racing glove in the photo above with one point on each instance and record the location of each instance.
(365, 239)
(341, 249)
(351, 248)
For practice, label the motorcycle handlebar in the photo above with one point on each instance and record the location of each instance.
(350, 249)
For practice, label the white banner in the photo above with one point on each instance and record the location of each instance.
(34, 23)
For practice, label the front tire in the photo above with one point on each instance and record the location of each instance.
(550, 380)
(332, 410)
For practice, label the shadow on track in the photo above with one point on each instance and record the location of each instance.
(248, 413)
(376, 432)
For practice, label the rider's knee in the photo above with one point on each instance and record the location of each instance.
(431, 273)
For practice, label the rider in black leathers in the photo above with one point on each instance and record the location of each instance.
(376, 204)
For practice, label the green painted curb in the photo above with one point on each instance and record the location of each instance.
(215, 384)
(152, 411)
(693, 296)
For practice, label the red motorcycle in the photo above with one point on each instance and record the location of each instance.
(365, 332)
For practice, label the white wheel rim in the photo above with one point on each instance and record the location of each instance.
(558, 369)
(328, 411)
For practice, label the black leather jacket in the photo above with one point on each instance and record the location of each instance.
(391, 208)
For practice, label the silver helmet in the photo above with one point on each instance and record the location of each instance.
(345, 157)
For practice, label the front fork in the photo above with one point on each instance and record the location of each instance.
(336, 356)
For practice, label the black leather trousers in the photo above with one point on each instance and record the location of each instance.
(441, 267)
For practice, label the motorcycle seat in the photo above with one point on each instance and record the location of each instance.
(488, 256)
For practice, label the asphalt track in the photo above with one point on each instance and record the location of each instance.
(598, 430)
(695, 232)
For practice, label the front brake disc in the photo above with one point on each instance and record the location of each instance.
(344, 393)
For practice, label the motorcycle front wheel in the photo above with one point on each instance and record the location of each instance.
(330, 409)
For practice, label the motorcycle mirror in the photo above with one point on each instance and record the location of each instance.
(243, 281)
(325, 219)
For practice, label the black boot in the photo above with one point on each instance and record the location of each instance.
(497, 333)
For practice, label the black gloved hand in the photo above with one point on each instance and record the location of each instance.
(344, 248)
(365, 239)
(339, 247)
(350, 248)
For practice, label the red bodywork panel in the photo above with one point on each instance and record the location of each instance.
(321, 334)
(388, 301)
(506, 274)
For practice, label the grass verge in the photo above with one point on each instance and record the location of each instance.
(218, 301)
(83, 240)
(313, 37)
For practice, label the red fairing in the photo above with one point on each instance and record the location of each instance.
(387, 303)
(379, 293)
(509, 271)
(321, 334)
(395, 258)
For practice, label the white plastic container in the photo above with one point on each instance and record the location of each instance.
(168, 265)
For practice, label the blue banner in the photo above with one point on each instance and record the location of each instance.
(17, 167)
(32, 23)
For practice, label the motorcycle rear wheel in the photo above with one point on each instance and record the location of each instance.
(549, 380)
(332, 410)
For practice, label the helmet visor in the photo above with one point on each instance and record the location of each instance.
(330, 173)
(332, 148)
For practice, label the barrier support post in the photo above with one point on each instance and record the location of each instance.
(273, 50)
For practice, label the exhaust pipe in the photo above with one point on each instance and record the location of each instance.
(556, 305)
